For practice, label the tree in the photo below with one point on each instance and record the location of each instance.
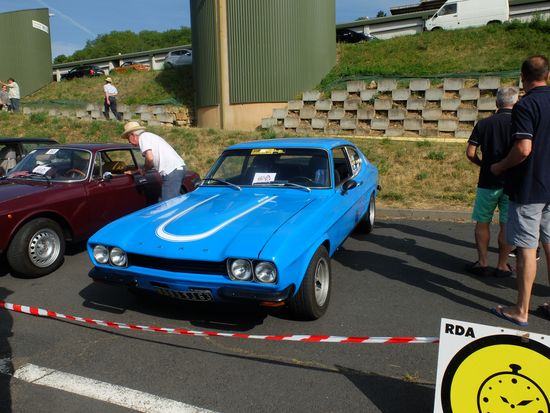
(381, 13)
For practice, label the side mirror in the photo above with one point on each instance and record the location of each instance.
(350, 184)
(107, 176)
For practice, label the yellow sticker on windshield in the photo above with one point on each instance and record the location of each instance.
(266, 151)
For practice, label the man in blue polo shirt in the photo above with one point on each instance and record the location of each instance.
(527, 183)
(492, 137)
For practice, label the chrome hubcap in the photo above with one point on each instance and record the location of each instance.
(371, 212)
(322, 280)
(44, 248)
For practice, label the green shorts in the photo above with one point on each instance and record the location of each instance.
(487, 201)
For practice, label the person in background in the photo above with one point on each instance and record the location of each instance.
(492, 137)
(111, 93)
(158, 155)
(4, 99)
(527, 184)
(13, 93)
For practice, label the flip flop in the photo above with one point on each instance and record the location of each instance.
(544, 310)
(504, 274)
(478, 270)
(498, 312)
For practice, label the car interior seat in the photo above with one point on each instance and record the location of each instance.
(317, 170)
(7, 158)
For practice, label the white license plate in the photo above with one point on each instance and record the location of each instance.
(191, 295)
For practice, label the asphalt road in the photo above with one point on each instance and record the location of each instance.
(398, 281)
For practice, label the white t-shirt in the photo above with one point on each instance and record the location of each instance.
(13, 90)
(110, 89)
(165, 158)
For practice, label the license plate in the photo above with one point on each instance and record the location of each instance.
(191, 295)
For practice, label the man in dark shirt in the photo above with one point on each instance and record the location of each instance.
(492, 137)
(527, 167)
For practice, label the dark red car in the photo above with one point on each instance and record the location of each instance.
(64, 193)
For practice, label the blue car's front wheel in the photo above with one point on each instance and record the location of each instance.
(311, 300)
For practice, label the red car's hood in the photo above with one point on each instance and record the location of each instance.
(12, 190)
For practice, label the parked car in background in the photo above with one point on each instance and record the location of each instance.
(129, 66)
(351, 36)
(64, 193)
(261, 227)
(12, 150)
(178, 58)
(83, 71)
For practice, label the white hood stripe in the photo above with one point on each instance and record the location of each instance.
(161, 232)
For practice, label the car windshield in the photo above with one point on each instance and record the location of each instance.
(55, 164)
(289, 167)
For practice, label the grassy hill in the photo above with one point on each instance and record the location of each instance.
(418, 174)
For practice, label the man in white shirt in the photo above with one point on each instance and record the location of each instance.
(13, 93)
(111, 93)
(158, 155)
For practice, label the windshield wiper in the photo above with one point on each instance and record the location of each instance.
(283, 183)
(297, 186)
(221, 181)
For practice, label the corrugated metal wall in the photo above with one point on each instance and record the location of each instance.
(25, 49)
(205, 51)
(279, 48)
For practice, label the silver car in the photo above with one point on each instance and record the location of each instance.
(178, 58)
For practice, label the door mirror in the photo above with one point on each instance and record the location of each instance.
(107, 176)
(349, 184)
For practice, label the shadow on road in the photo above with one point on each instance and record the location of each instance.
(6, 367)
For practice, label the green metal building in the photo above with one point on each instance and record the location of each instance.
(25, 49)
(255, 52)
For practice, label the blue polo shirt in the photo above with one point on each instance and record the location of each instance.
(529, 182)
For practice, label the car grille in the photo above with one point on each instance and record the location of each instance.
(175, 265)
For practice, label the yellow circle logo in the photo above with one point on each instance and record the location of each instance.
(498, 374)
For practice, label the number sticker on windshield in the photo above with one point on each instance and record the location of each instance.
(41, 169)
(266, 151)
(263, 177)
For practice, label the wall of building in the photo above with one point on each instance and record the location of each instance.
(25, 49)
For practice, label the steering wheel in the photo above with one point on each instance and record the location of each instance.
(74, 173)
(301, 178)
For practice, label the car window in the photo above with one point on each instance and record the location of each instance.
(342, 170)
(29, 147)
(117, 162)
(273, 166)
(57, 164)
(354, 160)
(448, 9)
(9, 157)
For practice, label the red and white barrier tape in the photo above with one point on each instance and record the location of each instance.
(40, 312)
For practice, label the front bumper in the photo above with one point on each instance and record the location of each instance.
(220, 292)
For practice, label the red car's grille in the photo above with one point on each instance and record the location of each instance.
(175, 265)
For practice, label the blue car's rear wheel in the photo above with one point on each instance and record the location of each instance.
(366, 224)
(312, 299)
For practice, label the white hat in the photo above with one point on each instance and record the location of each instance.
(131, 127)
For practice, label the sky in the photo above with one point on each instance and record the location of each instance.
(76, 21)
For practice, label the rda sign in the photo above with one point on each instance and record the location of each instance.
(483, 369)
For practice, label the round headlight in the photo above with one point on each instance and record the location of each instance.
(241, 270)
(265, 272)
(118, 257)
(101, 254)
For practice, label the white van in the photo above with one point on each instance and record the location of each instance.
(456, 14)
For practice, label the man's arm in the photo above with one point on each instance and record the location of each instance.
(519, 152)
(471, 154)
(148, 155)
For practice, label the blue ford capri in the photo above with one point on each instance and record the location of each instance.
(261, 226)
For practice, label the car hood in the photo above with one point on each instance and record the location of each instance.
(203, 225)
(11, 191)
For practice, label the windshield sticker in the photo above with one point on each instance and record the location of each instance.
(266, 151)
(263, 177)
(51, 151)
(41, 169)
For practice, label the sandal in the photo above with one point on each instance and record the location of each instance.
(503, 273)
(478, 270)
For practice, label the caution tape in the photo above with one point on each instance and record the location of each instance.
(40, 312)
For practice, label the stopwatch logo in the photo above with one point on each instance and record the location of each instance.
(498, 374)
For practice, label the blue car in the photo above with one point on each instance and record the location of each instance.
(261, 226)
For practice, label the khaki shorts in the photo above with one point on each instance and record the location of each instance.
(526, 223)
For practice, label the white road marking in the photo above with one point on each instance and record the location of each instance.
(110, 393)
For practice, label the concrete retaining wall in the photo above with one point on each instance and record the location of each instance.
(389, 107)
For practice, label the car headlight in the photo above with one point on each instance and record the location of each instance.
(240, 270)
(118, 257)
(265, 272)
(101, 254)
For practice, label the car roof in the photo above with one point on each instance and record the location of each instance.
(92, 146)
(317, 143)
(27, 140)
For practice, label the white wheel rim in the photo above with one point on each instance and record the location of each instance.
(44, 248)
(322, 282)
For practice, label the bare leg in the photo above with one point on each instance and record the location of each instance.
(503, 249)
(483, 236)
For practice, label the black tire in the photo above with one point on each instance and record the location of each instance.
(36, 249)
(366, 225)
(312, 299)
